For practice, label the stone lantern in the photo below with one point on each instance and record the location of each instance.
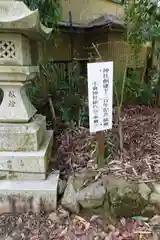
(25, 144)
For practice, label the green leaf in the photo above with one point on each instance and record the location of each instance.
(140, 218)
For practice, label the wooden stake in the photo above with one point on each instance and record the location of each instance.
(99, 137)
(100, 148)
(100, 142)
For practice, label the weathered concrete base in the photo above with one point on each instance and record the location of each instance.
(26, 165)
(18, 137)
(25, 196)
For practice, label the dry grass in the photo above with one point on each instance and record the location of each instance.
(140, 158)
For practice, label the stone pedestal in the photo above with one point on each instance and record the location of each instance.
(26, 196)
(27, 165)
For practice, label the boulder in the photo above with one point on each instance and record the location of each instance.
(156, 187)
(108, 194)
(61, 186)
(155, 198)
(91, 196)
(82, 189)
(69, 201)
(144, 191)
(83, 178)
(53, 217)
(123, 197)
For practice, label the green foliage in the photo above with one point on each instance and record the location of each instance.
(68, 90)
(136, 91)
(143, 25)
(142, 21)
(49, 10)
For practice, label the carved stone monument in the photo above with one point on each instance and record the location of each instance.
(25, 145)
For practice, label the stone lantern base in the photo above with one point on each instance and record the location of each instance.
(29, 196)
(25, 149)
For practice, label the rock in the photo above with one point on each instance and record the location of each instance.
(111, 228)
(19, 222)
(149, 211)
(156, 187)
(97, 220)
(155, 197)
(103, 235)
(154, 201)
(155, 225)
(144, 191)
(61, 186)
(53, 217)
(69, 198)
(123, 197)
(16, 235)
(85, 176)
(64, 214)
(155, 220)
(91, 196)
(74, 185)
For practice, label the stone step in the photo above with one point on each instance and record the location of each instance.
(27, 165)
(25, 196)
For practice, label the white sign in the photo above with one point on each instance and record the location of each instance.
(100, 94)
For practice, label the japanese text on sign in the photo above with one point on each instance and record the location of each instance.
(100, 94)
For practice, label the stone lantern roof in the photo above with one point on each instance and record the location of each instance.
(16, 17)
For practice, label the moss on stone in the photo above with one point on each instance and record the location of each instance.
(124, 198)
(128, 205)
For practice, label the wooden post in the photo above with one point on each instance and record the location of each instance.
(100, 148)
(71, 35)
(100, 139)
(100, 142)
